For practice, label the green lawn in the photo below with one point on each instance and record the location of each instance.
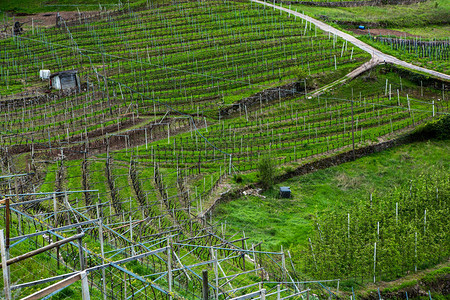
(287, 221)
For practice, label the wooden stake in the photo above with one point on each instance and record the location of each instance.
(6, 283)
(205, 291)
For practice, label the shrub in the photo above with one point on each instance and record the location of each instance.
(436, 129)
(266, 172)
(237, 178)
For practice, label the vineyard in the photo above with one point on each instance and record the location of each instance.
(432, 52)
(116, 179)
(412, 222)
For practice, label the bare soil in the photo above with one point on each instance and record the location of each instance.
(381, 31)
(48, 19)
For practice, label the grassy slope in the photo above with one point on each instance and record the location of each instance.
(429, 18)
(428, 32)
(416, 15)
(287, 221)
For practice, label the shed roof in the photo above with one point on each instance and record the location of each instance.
(64, 73)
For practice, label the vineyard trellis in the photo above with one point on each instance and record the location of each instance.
(413, 221)
(132, 159)
(154, 266)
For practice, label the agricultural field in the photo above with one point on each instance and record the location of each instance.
(321, 197)
(417, 33)
(132, 181)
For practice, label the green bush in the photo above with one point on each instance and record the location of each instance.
(266, 172)
(237, 178)
(435, 129)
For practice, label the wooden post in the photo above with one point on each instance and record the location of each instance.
(205, 291)
(43, 249)
(80, 253)
(216, 273)
(6, 286)
(84, 286)
(263, 294)
(60, 285)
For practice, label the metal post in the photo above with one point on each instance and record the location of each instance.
(216, 273)
(102, 251)
(169, 265)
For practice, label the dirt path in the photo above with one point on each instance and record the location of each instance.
(49, 19)
(376, 54)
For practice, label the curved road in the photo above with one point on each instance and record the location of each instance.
(377, 55)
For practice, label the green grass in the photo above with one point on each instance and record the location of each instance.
(374, 82)
(423, 280)
(428, 32)
(416, 15)
(288, 221)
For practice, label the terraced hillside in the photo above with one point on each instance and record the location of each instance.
(174, 100)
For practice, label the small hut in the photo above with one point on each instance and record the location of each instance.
(285, 192)
(44, 74)
(65, 80)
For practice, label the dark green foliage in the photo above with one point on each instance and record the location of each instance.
(414, 236)
(435, 129)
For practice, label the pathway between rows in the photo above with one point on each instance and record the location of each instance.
(376, 54)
